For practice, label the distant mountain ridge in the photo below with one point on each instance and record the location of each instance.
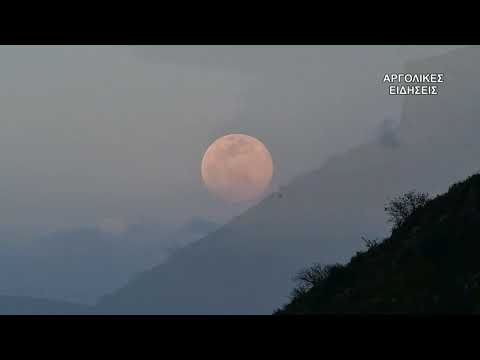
(80, 264)
(19, 305)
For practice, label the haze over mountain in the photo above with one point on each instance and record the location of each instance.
(81, 264)
(23, 305)
(246, 266)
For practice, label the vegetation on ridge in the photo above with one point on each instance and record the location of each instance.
(429, 263)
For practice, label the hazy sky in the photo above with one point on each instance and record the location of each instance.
(110, 134)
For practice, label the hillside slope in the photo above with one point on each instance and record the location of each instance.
(430, 264)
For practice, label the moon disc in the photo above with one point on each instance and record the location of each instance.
(237, 167)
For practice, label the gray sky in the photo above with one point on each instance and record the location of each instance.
(91, 133)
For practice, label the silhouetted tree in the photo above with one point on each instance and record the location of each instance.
(401, 207)
(370, 243)
(310, 277)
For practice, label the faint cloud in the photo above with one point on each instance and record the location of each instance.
(113, 226)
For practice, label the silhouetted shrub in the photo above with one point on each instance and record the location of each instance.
(313, 276)
(401, 207)
(370, 243)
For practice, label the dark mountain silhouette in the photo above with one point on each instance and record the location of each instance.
(429, 264)
(246, 266)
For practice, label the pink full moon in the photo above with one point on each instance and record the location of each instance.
(237, 168)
